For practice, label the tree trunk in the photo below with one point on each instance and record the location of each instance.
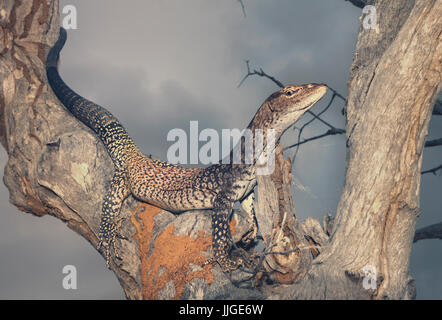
(394, 81)
(57, 166)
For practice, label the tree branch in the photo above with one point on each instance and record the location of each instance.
(430, 232)
(336, 93)
(437, 110)
(358, 3)
(433, 170)
(330, 132)
(433, 143)
(242, 7)
(260, 73)
(308, 123)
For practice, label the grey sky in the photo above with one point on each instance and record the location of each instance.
(159, 64)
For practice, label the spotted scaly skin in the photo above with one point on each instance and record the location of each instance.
(169, 186)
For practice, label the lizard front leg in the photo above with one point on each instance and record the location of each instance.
(221, 236)
(116, 192)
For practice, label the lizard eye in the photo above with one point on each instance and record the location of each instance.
(291, 92)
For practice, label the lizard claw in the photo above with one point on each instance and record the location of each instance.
(227, 264)
(107, 246)
(231, 264)
(209, 261)
(104, 248)
(249, 237)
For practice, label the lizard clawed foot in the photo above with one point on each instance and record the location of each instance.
(208, 261)
(118, 224)
(250, 236)
(109, 251)
(107, 245)
(104, 248)
(229, 264)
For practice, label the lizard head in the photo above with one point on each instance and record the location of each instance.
(284, 107)
(293, 101)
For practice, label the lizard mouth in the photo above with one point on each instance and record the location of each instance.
(311, 104)
(308, 106)
(320, 88)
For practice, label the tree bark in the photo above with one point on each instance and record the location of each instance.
(394, 81)
(57, 166)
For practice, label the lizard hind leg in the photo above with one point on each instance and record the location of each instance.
(117, 191)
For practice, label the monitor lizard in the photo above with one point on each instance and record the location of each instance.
(173, 187)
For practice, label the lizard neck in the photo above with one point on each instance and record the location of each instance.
(258, 141)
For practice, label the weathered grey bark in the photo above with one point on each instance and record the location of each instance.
(280, 229)
(57, 166)
(394, 81)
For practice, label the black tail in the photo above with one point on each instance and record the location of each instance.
(117, 141)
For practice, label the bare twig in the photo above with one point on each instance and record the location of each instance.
(433, 143)
(308, 123)
(260, 73)
(330, 132)
(433, 171)
(437, 108)
(358, 3)
(242, 7)
(322, 120)
(337, 94)
(430, 232)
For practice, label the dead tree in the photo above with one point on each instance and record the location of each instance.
(57, 166)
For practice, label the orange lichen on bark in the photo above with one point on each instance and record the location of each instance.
(142, 219)
(171, 255)
(170, 261)
(232, 227)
